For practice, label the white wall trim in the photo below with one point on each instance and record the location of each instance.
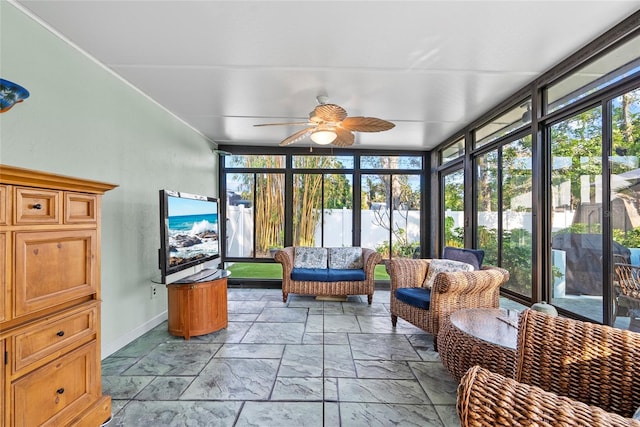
(125, 339)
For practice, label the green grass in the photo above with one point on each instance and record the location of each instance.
(381, 273)
(255, 270)
(262, 270)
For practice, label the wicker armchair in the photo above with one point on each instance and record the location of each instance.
(450, 292)
(568, 373)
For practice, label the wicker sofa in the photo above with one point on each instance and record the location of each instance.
(329, 282)
(569, 373)
(450, 292)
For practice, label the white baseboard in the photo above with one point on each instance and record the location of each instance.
(110, 348)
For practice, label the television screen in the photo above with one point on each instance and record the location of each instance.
(189, 230)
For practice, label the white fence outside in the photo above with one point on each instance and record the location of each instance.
(338, 226)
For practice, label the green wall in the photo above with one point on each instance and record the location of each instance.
(82, 120)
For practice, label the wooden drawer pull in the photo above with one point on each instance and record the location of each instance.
(37, 206)
(60, 333)
(60, 390)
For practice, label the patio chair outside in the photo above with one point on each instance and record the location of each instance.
(627, 287)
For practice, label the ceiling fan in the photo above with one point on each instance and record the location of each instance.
(329, 124)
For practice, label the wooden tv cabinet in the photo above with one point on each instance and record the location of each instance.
(198, 307)
(50, 300)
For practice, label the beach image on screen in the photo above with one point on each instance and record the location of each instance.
(193, 230)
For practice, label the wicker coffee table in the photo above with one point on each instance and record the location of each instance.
(479, 336)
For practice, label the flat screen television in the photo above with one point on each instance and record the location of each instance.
(188, 234)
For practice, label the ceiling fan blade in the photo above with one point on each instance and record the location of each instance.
(328, 113)
(296, 137)
(366, 124)
(285, 124)
(344, 138)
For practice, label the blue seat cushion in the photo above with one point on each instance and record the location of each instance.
(417, 297)
(349, 274)
(469, 256)
(327, 274)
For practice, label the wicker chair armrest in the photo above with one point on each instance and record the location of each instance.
(489, 279)
(370, 259)
(285, 257)
(489, 399)
(407, 273)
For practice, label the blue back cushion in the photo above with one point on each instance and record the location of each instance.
(417, 297)
(470, 256)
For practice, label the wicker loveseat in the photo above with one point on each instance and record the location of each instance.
(449, 292)
(568, 373)
(344, 280)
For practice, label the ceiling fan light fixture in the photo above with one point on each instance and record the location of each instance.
(330, 124)
(323, 136)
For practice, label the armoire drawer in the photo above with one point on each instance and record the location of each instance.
(56, 392)
(80, 208)
(53, 337)
(37, 206)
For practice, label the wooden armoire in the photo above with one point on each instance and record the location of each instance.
(50, 300)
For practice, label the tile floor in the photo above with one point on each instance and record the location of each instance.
(304, 363)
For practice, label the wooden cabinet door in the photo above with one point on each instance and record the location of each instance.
(4, 413)
(3, 276)
(197, 308)
(5, 199)
(53, 267)
(54, 393)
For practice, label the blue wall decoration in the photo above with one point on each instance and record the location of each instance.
(10, 94)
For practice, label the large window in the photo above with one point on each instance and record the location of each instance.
(487, 201)
(313, 201)
(322, 209)
(504, 211)
(453, 203)
(576, 213)
(391, 204)
(517, 208)
(253, 232)
(391, 214)
(625, 206)
(558, 207)
(322, 202)
(255, 205)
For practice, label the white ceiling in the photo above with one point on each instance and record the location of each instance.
(430, 67)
